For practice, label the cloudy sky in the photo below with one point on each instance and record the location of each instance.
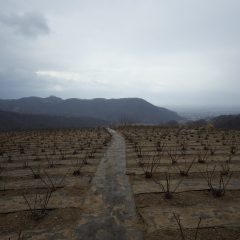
(169, 52)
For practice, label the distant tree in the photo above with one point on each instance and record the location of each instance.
(227, 122)
(198, 123)
(172, 123)
(125, 121)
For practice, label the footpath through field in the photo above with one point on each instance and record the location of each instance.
(112, 215)
(108, 212)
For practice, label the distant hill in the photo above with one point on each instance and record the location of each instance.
(19, 121)
(223, 122)
(133, 110)
(227, 121)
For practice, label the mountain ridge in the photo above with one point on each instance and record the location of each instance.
(114, 110)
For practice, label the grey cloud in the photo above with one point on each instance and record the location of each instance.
(169, 52)
(30, 24)
(18, 82)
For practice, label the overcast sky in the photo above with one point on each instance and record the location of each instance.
(170, 52)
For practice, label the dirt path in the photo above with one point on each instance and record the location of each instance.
(113, 213)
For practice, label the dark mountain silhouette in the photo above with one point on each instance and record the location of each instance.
(227, 121)
(20, 121)
(222, 122)
(133, 110)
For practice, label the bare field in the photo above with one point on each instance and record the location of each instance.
(186, 182)
(45, 177)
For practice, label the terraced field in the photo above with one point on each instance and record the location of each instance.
(158, 183)
(45, 177)
(186, 182)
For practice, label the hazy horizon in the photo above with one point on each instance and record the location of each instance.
(190, 112)
(174, 54)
